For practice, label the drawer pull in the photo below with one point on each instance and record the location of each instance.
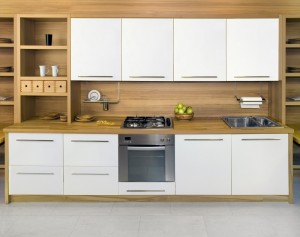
(251, 76)
(260, 139)
(199, 77)
(25, 173)
(146, 77)
(34, 140)
(89, 141)
(90, 173)
(216, 139)
(145, 191)
(96, 76)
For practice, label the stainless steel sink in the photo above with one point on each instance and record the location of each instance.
(249, 122)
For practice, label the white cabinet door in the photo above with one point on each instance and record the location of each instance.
(96, 49)
(260, 164)
(203, 164)
(252, 49)
(90, 150)
(199, 49)
(35, 180)
(91, 180)
(35, 149)
(147, 49)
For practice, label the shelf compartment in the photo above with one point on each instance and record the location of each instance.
(34, 29)
(6, 57)
(7, 114)
(31, 59)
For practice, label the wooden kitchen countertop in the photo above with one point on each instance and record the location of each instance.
(112, 125)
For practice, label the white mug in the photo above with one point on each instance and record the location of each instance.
(54, 70)
(43, 70)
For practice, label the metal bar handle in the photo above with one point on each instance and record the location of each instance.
(260, 139)
(199, 77)
(146, 76)
(251, 76)
(96, 76)
(25, 173)
(195, 139)
(90, 173)
(145, 191)
(89, 141)
(152, 148)
(34, 140)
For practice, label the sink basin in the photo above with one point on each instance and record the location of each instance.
(250, 122)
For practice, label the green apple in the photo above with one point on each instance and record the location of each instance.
(176, 110)
(180, 111)
(184, 108)
(180, 105)
(189, 110)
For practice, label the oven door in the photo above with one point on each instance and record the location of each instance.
(146, 164)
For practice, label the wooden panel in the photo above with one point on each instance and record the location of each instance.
(6, 86)
(7, 114)
(6, 28)
(146, 98)
(292, 114)
(6, 57)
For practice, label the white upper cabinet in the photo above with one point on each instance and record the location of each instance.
(147, 49)
(96, 49)
(252, 49)
(199, 49)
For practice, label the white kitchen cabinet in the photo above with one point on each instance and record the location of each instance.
(35, 164)
(90, 180)
(203, 164)
(96, 49)
(146, 188)
(90, 164)
(252, 49)
(199, 49)
(260, 164)
(147, 49)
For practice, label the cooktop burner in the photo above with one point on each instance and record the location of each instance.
(147, 122)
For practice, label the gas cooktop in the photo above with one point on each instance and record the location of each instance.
(146, 122)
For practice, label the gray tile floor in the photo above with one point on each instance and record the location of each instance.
(135, 219)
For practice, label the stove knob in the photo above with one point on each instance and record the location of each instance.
(168, 139)
(162, 139)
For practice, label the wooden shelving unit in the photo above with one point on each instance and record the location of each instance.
(39, 95)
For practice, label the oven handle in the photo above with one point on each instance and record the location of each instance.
(152, 148)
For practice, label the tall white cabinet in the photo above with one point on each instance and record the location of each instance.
(147, 49)
(96, 49)
(203, 164)
(252, 49)
(199, 49)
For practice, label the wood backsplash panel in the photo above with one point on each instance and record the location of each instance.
(160, 98)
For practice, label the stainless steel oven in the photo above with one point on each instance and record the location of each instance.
(146, 158)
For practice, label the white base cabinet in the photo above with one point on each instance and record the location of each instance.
(147, 188)
(260, 164)
(203, 164)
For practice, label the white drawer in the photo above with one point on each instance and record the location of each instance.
(35, 180)
(146, 188)
(91, 180)
(35, 149)
(90, 150)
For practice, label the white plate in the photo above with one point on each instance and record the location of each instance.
(94, 95)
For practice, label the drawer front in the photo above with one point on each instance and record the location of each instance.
(37, 86)
(35, 180)
(26, 86)
(49, 86)
(35, 149)
(60, 86)
(140, 188)
(91, 180)
(90, 150)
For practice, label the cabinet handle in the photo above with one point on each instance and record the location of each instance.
(146, 76)
(34, 140)
(35, 173)
(89, 141)
(251, 76)
(260, 139)
(96, 76)
(216, 139)
(199, 77)
(90, 173)
(145, 191)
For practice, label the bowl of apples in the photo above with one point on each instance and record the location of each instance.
(183, 112)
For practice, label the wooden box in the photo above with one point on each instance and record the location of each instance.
(26, 86)
(61, 86)
(37, 86)
(49, 86)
